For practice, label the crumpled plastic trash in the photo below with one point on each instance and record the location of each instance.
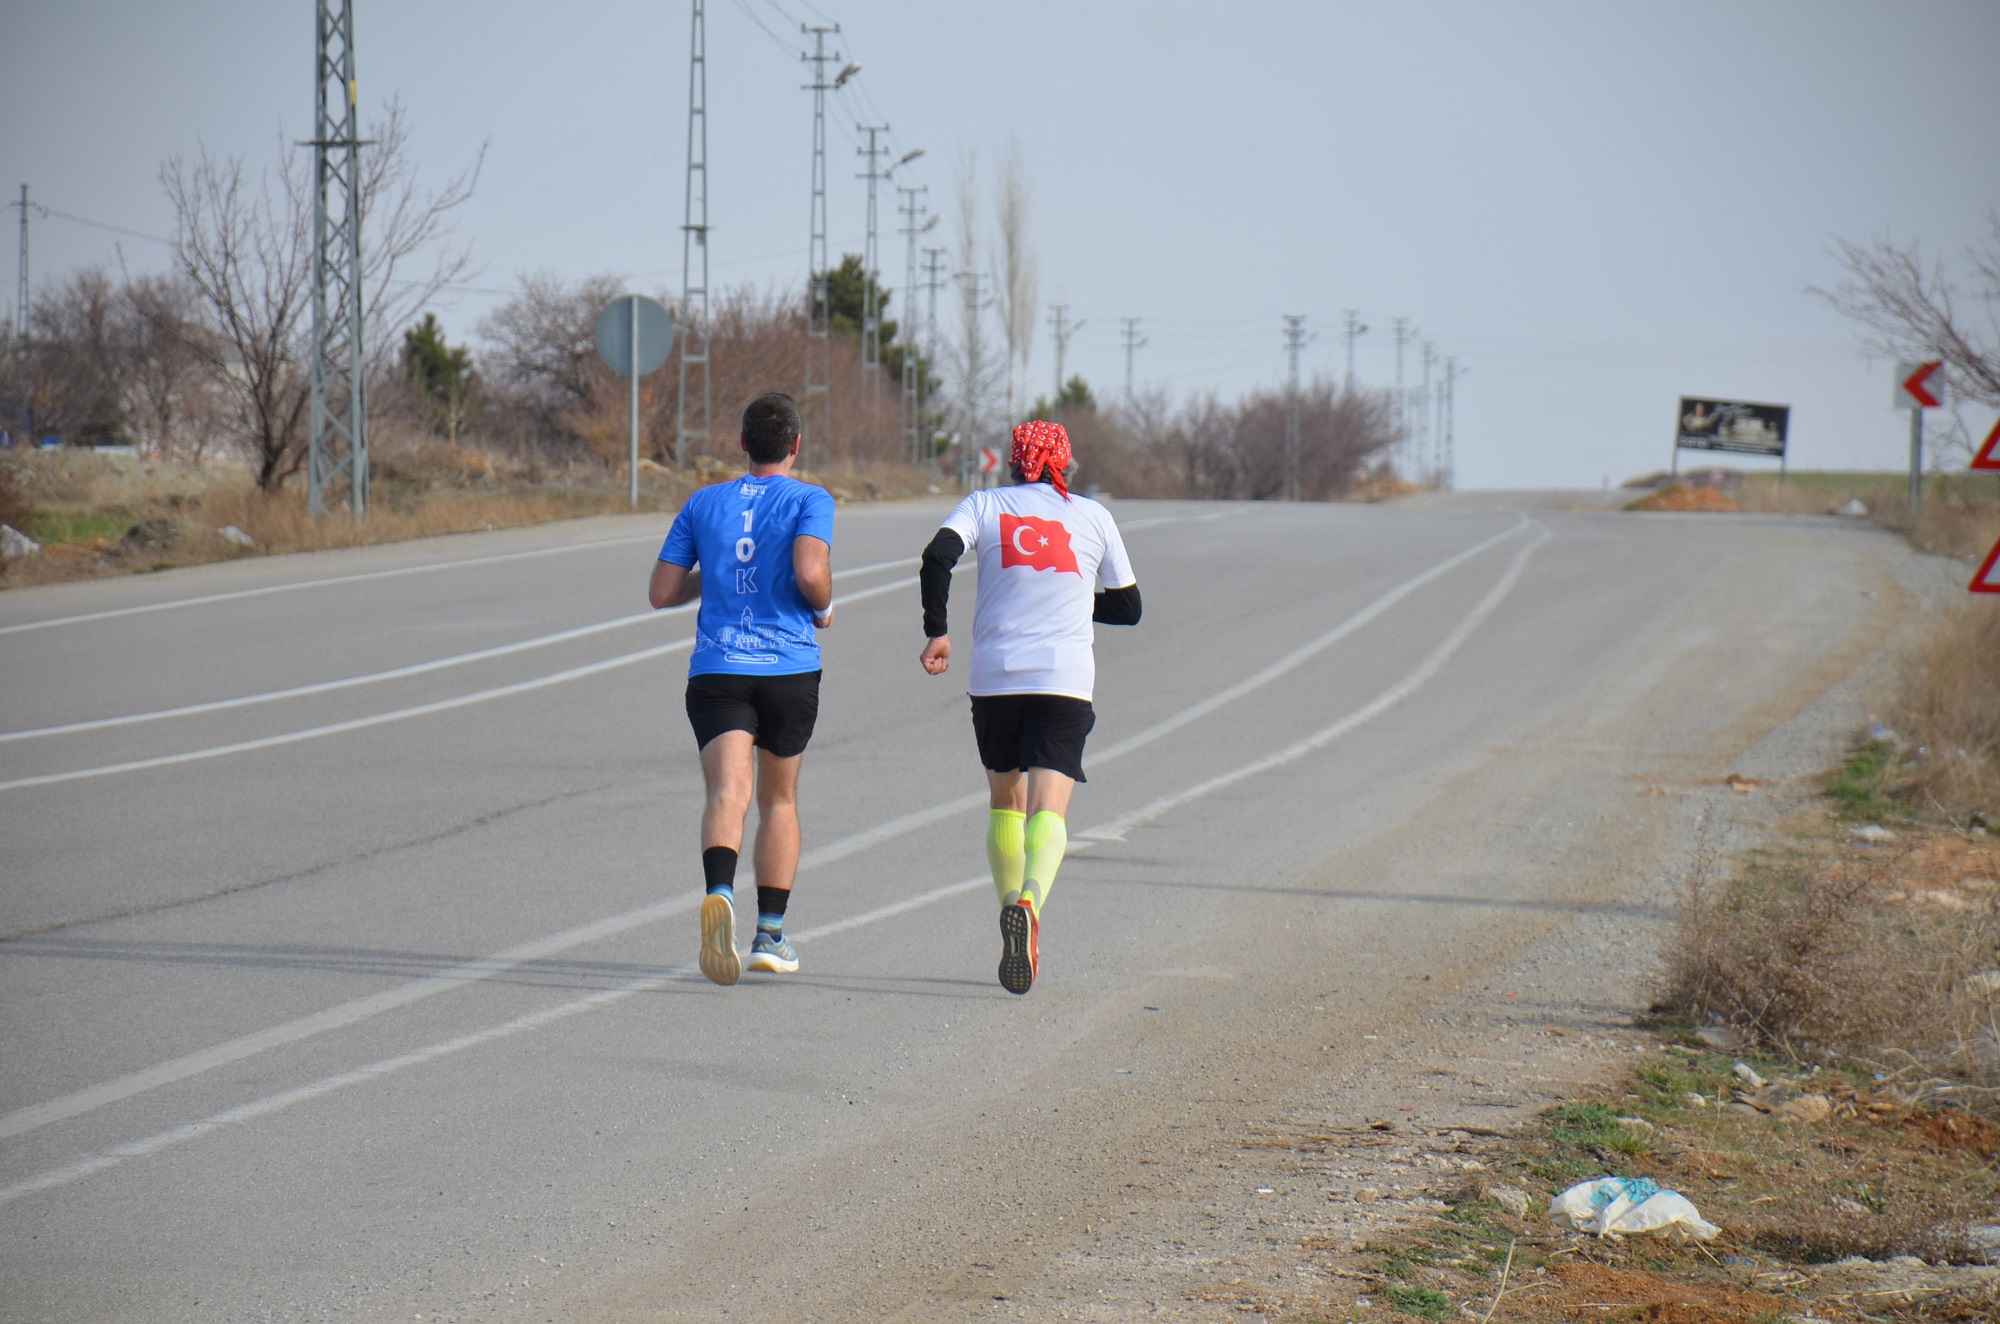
(1612, 1206)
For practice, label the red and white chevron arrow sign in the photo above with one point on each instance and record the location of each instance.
(1912, 385)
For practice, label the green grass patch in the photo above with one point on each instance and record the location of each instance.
(1861, 785)
(1423, 1302)
(76, 526)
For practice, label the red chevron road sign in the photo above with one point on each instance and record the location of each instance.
(1912, 390)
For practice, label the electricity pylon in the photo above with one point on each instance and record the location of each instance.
(819, 313)
(339, 436)
(694, 239)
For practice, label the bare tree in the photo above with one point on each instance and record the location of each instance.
(1017, 279)
(973, 368)
(543, 364)
(1911, 305)
(246, 247)
(171, 402)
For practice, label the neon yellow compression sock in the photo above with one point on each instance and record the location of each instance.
(1005, 854)
(1045, 839)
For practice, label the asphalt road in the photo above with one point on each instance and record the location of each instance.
(352, 976)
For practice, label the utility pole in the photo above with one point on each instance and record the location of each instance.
(974, 388)
(1403, 333)
(1133, 342)
(819, 341)
(694, 237)
(21, 276)
(1295, 340)
(1448, 462)
(871, 315)
(933, 282)
(912, 206)
(339, 437)
(1424, 415)
(1064, 329)
(1355, 327)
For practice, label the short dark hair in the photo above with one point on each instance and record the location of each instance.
(770, 426)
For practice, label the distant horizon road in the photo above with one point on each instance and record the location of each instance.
(347, 928)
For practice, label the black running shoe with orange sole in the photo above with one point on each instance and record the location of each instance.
(1020, 949)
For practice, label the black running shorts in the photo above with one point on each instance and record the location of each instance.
(778, 710)
(1021, 731)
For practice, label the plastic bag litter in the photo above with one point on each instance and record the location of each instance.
(1610, 1206)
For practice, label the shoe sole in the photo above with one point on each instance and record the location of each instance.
(719, 960)
(1017, 967)
(766, 963)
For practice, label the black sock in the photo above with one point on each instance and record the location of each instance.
(718, 866)
(771, 902)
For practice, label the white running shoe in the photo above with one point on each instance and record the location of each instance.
(719, 960)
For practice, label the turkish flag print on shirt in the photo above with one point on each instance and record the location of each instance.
(1039, 544)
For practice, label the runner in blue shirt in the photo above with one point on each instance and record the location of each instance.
(757, 552)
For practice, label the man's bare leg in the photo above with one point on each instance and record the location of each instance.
(777, 820)
(777, 860)
(728, 771)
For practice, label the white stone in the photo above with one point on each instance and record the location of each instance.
(15, 543)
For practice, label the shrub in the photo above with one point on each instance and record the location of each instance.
(1946, 705)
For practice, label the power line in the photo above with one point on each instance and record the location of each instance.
(781, 43)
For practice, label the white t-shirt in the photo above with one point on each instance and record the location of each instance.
(1041, 561)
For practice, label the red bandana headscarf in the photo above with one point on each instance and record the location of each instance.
(1039, 446)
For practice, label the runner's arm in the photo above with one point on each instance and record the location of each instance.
(812, 566)
(1116, 606)
(673, 584)
(935, 578)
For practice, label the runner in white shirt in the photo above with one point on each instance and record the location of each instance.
(1049, 565)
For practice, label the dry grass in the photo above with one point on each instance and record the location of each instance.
(1959, 516)
(1946, 707)
(81, 505)
(1824, 954)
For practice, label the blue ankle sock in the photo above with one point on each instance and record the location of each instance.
(771, 903)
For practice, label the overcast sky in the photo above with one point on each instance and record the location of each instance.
(1595, 208)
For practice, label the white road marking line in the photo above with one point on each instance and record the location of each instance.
(399, 714)
(1306, 651)
(181, 1068)
(397, 673)
(421, 710)
(274, 1103)
(268, 589)
(1116, 829)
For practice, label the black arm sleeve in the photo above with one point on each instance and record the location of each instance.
(935, 577)
(1116, 606)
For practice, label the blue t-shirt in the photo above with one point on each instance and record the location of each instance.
(753, 621)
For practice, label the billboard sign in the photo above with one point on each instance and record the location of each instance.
(1732, 425)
